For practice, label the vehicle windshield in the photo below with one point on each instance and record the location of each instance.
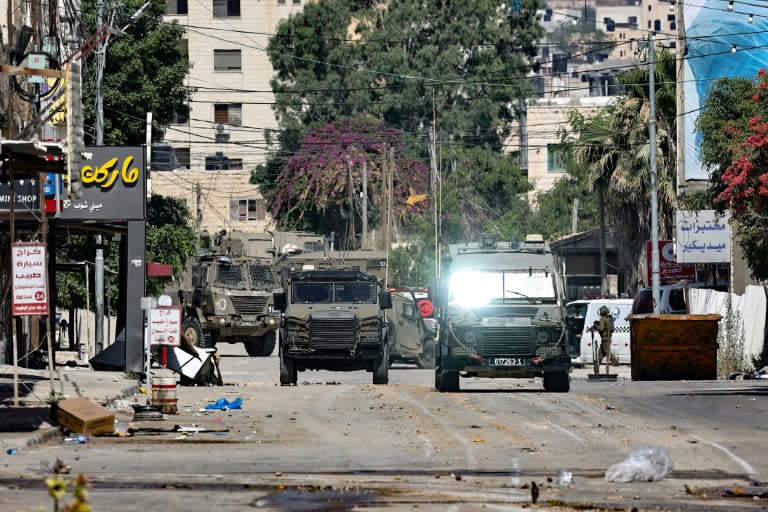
(334, 293)
(261, 275)
(230, 276)
(471, 288)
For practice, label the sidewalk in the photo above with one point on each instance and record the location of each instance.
(30, 423)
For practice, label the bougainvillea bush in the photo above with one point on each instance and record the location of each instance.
(312, 188)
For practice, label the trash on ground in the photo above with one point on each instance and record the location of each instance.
(565, 478)
(645, 464)
(11, 451)
(222, 404)
(194, 429)
(79, 439)
(82, 416)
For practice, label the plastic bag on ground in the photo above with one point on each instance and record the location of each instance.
(645, 464)
(222, 404)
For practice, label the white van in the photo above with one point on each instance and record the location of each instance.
(580, 315)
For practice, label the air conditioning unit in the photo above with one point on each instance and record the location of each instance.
(222, 133)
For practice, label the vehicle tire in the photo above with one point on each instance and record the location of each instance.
(381, 367)
(288, 371)
(557, 382)
(260, 346)
(427, 357)
(268, 344)
(446, 380)
(193, 331)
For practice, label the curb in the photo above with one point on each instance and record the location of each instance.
(48, 433)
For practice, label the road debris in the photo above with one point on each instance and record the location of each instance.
(645, 464)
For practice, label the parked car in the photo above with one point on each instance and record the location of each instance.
(580, 316)
(672, 299)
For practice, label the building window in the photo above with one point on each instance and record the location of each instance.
(557, 156)
(247, 209)
(227, 60)
(180, 118)
(226, 8)
(228, 113)
(182, 157)
(280, 2)
(176, 7)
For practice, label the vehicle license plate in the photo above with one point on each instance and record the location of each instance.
(508, 361)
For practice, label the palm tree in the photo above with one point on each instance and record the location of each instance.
(613, 149)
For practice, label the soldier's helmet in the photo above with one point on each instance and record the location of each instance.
(604, 310)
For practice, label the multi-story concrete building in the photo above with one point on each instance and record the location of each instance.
(219, 199)
(231, 110)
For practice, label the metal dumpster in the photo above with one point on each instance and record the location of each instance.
(673, 347)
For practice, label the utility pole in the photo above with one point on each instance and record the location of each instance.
(364, 241)
(575, 215)
(351, 194)
(654, 198)
(198, 194)
(385, 196)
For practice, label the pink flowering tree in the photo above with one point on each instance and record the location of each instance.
(312, 189)
(743, 185)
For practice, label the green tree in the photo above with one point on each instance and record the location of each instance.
(458, 68)
(613, 147)
(172, 237)
(724, 125)
(146, 68)
(739, 177)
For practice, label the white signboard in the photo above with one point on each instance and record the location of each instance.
(165, 326)
(30, 279)
(702, 237)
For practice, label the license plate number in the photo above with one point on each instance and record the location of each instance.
(508, 361)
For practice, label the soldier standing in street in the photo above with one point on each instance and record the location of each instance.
(604, 328)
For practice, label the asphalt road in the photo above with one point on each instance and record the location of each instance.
(337, 442)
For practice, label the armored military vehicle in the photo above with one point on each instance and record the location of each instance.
(500, 314)
(333, 319)
(229, 296)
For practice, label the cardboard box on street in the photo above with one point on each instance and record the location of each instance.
(82, 416)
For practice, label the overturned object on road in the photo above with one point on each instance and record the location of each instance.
(197, 366)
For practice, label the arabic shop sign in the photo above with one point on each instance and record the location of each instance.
(114, 186)
(703, 237)
(26, 193)
(30, 279)
(670, 271)
(165, 325)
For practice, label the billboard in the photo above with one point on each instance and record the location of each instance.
(670, 271)
(722, 42)
(703, 237)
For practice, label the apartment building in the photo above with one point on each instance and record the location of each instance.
(229, 113)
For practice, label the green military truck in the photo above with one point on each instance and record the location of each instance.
(228, 294)
(500, 314)
(333, 319)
